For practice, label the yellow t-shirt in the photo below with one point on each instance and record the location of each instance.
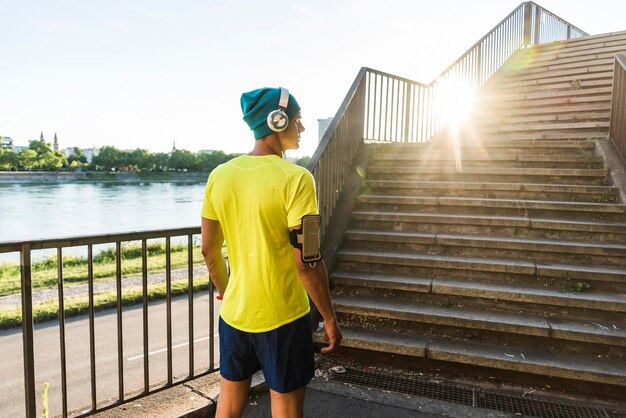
(257, 199)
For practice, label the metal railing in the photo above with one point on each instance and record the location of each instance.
(333, 157)
(617, 129)
(382, 107)
(25, 249)
(402, 110)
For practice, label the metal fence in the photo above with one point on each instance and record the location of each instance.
(25, 249)
(382, 107)
(617, 129)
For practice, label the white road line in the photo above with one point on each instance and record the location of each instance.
(163, 350)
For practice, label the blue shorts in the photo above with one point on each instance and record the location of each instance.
(285, 354)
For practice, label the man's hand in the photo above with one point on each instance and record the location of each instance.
(332, 334)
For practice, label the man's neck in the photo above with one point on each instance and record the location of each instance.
(269, 145)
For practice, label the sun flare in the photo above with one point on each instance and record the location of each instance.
(455, 103)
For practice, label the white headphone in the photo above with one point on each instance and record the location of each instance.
(277, 119)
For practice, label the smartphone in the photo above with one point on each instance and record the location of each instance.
(311, 238)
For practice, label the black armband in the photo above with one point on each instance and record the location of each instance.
(307, 238)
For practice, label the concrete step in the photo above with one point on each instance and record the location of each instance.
(507, 145)
(566, 109)
(590, 53)
(448, 318)
(565, 85)
(550, 80)
(530, 63)
(580, 252)
(547, 102)
(522, 227)
(551, 172)
(489, 119)
(517, 271)
(465, 161)
(594, 176)
(474, 354)
(585, 42)
(564, 70)
(522, 191)
(513, 296)
(543, 126)
(483, 158)
(547, 66)
(588, 134)
(498, 207)
(574, 90)
(474, 146)
(527, 62)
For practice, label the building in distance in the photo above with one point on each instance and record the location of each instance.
(89, 153)
(322, 127)
(6, 142)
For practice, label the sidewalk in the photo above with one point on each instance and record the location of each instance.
(327, 397)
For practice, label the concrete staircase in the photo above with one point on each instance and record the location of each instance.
(513, 262)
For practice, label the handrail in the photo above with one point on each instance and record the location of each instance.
(381, 107)
(331, 162)
(617, 126)
(25, 249)
(81, 240)
(495, 28)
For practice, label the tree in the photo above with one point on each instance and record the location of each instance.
(160, 161)
(108, 158)
(8, 159)
(77, 155)
(27, 159)
(142, 159)
(40, 155)
(52, 161)
(182, 160)
(40, 147)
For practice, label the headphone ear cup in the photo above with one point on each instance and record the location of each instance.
(277, 120)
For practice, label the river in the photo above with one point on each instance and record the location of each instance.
(53, 210)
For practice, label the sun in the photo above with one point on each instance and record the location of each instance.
(455, 101)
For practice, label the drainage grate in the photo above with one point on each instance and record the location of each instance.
(536, 407)
(471, 396)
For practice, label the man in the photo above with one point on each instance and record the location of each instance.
(253, 202)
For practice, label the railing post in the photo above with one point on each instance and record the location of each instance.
(28, 333)
(528, 20)
(408, 98)
(537, 25)
(569, 31)
(479, 64)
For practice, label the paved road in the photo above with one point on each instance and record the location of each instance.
(47, 356)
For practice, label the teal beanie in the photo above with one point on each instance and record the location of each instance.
(257, 104)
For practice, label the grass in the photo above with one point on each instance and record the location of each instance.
(44, 272)
(79, 305)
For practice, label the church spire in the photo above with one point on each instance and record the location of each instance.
(174, 146)
(56, 143)
(41, 136)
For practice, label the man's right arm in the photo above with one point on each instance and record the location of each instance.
(212, 242)
(315, 282)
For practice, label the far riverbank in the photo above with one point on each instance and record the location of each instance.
(101, 177)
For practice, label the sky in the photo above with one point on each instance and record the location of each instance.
(146, 73)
